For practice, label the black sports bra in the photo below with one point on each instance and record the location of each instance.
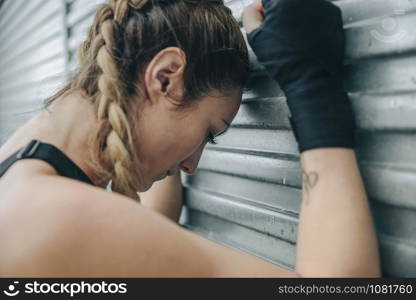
(50, 154)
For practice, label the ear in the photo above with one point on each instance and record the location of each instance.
(164, 76)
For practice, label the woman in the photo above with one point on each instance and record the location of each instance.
(157, 80)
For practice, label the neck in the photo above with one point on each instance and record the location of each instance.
(67, 123)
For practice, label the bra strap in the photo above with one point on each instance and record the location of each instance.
(50, 154)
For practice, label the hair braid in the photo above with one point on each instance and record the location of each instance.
(114, 137)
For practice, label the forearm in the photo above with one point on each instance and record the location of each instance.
(336, 235)
(165, 197)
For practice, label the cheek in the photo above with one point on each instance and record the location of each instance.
(195, 142)
(171, 141)
(190, 142)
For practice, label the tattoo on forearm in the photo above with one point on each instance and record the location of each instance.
(310, 180)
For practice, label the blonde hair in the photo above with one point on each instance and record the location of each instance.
(116, 157)
(125, 35)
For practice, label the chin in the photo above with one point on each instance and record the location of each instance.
(145, 188)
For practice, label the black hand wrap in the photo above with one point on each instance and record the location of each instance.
(301, 44)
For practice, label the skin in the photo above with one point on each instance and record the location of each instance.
(88, 232)
(253, 16)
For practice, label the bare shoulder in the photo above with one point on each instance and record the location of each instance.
(100, 234)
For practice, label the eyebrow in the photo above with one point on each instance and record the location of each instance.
(226, 129)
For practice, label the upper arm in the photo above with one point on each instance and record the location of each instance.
(128, 240)
(165, 197)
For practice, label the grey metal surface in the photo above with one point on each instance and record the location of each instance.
(246, 191)
(32, 58)
(80, 17)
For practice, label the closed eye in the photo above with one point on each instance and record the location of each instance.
(211, 139)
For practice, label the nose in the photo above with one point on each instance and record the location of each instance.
(190, 164)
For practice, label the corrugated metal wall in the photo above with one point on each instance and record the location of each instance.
(246, 192)
(80, 17)
(32, 58)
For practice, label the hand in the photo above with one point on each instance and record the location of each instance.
(253, 16)
(301, 45)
